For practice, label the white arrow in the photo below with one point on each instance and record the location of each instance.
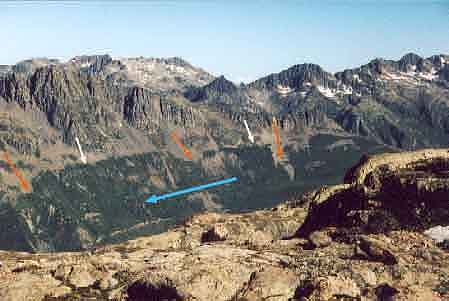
(83, 157)
(250, 136)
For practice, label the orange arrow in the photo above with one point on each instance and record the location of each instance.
(277, 138)
(23, 183)
(179, 143)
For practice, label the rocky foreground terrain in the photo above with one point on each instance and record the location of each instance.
(361, 240)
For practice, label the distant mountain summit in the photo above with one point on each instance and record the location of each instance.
(295, 77)
(218, 87)
(158, 74)
(410, 69)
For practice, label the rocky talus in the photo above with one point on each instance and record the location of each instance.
(361, 240)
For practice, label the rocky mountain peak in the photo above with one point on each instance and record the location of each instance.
(295, 77)
(439, 60)
(215, 89)
(409, 60)
(92, 63)
(159, 74)
(222, 85)
(176, 60)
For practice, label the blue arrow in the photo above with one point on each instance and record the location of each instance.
(155, 198)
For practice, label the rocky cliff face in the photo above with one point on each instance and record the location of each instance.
(81, 102)
(353, 245)
(144, 109)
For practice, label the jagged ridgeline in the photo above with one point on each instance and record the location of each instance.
(124, 110)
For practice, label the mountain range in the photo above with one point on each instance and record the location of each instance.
(124, 111)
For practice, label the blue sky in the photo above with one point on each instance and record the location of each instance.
(243, 41)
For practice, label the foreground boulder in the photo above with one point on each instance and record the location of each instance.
(386, 192)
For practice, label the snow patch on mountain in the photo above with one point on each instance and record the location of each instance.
(330, 93)
(411, 77)
(283, 90)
